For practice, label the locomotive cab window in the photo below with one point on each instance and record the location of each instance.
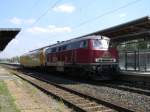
(100, 44)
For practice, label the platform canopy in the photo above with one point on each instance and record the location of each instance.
(6, 35)
(139, 28)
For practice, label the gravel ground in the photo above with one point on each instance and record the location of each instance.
(43, 99)
(137, 102)
(134, 101)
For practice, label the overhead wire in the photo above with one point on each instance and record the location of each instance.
(43, 14)
(106, 13)
(46, 11)
(87, 21)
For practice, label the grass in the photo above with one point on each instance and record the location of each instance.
(7, 103)
(33, 90)
(56, 106)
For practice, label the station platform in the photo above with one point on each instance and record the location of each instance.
(23, 102)
(24, 96)
(134, 76)
(5, 75)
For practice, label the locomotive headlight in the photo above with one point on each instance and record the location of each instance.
(97, 59)
(114, 60)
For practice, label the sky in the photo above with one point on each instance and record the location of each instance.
(44, 22)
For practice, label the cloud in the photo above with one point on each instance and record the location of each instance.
(122, 15)
(19, 21)
(66, 8)
(49, 29)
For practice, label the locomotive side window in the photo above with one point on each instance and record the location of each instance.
(100, 44)
(60, 48)
(49, 50)
(83, 44)
(54, 50)
(64, 48)
(79, 44)
(75, 45)
(69, 47)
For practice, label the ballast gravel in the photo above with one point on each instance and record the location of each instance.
(134, 101)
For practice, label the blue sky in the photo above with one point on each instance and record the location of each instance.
(62, 21)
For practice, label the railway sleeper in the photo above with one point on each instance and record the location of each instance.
(79, 101)
(65, 95)
(56, 89)
(95, 108)
(60, 92)
(88, 104)
(107, 110)
(70, 97)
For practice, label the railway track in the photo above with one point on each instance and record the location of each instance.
(125, 86)
(63, 80)
(76, 100)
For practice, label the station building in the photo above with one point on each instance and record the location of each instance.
(132, 39)
(6, 35)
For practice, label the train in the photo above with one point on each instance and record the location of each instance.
(89, 56)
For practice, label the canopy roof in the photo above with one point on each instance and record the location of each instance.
(6, 35)
(138, 28)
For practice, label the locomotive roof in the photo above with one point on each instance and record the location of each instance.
(76, 40)
(71, 41)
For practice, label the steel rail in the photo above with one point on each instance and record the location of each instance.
(99, 103)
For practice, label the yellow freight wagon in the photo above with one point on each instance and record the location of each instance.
(33, 59)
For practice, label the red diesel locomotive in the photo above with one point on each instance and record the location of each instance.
(88, 56)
